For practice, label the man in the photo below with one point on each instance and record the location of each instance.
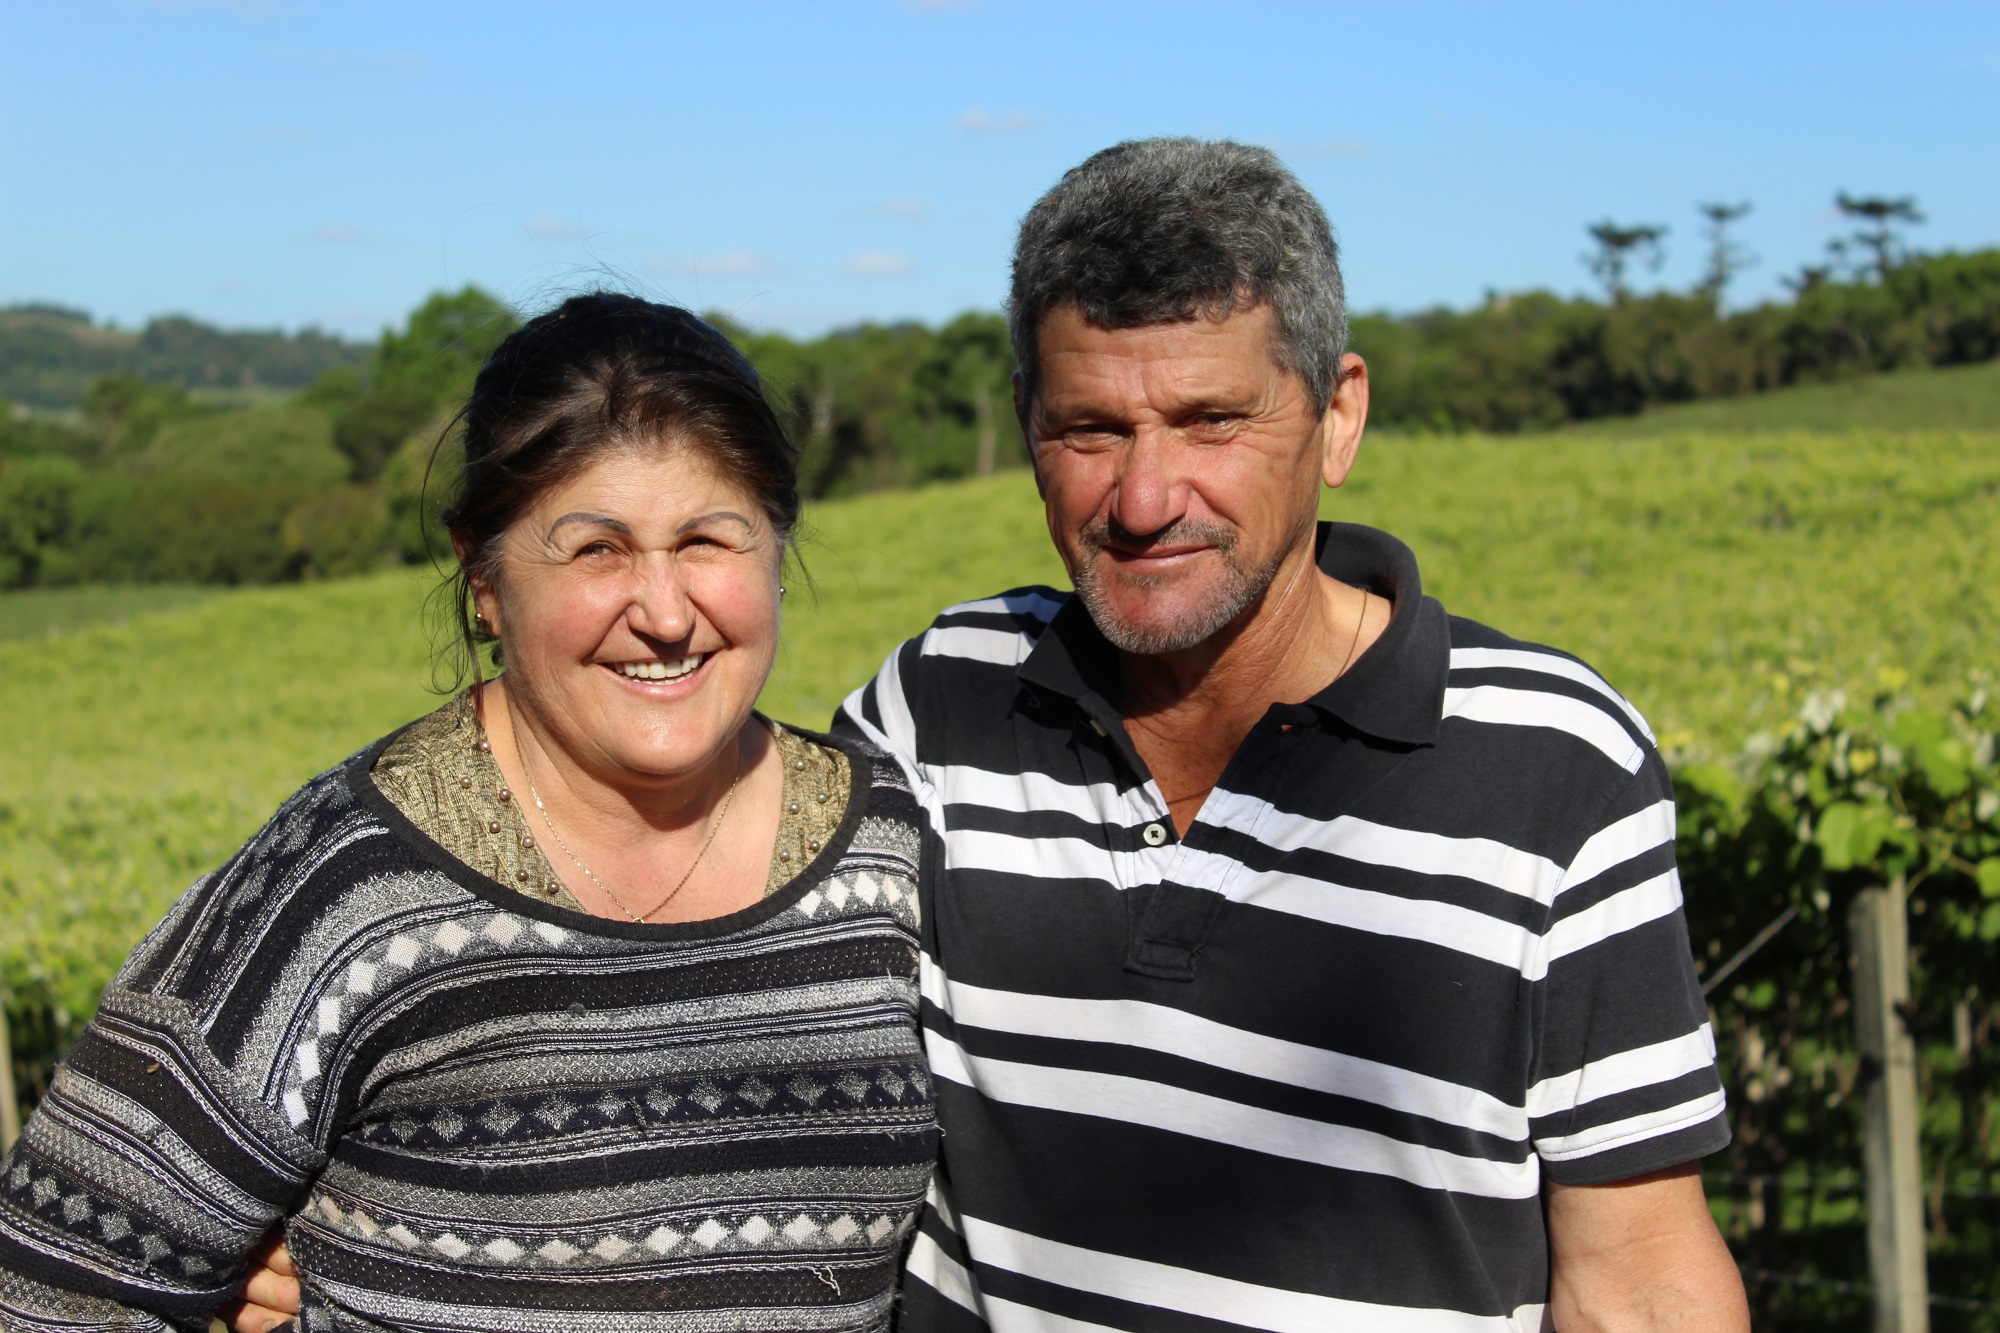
(1299, 957)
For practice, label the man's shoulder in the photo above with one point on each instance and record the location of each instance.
(1000, 630)
(1500, 680)
(1028, 608)
(963, 658)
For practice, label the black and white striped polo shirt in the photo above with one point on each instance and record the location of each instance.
(1308, 1066)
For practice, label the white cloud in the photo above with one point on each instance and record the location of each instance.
(879, 264)
(902, 208)
(981, 121)
(284, 136)
(735, 264)
(337, 233)
(545, 228)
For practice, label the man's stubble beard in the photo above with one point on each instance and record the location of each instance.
(1238, 588)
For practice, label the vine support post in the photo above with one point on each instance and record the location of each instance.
(1879, 940)
(10, 1105)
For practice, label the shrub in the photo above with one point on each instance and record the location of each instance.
(37, 502)
(176, 527)
(337, 532)
(1853, 793)
(290, 446)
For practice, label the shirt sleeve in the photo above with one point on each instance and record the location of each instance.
(1624, 1077)
(162, 1153)
(884, 712)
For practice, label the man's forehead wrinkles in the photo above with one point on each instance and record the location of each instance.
(1160, 370)
(1169, 396)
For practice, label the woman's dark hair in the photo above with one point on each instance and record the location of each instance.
(598, 374)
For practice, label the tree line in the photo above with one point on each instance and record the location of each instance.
(50, 355)
(151, 480)
(1535, 360)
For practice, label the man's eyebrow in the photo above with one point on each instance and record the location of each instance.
(585, 516)
(1197, 403)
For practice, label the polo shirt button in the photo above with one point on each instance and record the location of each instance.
(1154, 834)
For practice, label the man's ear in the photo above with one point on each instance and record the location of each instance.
(1345, 418)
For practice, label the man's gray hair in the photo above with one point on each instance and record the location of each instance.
(1157, 231)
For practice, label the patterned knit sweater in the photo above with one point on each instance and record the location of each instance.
(478, 1111)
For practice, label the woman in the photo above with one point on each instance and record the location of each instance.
(587, 1001)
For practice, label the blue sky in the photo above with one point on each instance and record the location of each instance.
(806, 165)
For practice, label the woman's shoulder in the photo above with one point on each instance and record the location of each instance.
(881, 821)
(338, 810)
(327, 842)
(869, 759)
(876, 784)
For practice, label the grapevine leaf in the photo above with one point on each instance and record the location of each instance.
(1838, 831)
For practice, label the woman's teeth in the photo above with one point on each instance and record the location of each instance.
(659, 670)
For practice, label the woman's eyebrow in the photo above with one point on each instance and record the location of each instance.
(713, 516)
(582, 516)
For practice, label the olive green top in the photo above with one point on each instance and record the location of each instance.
(441, 774)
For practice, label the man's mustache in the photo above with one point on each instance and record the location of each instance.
(1100, 533)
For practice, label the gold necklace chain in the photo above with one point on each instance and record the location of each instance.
(1345, 663)
(1352, 643)
(715, 826)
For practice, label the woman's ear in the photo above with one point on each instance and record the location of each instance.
(485, 602)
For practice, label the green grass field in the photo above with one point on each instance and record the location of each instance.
(47, 612)
(1689, 568)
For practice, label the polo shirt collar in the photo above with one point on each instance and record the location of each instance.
(1395, 692)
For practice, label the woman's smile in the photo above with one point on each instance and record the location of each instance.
(651, 669)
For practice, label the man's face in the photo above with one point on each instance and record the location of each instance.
(1180, 468)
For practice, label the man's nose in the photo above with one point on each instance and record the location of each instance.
(1149, 495)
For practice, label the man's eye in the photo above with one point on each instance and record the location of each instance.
(597, 548)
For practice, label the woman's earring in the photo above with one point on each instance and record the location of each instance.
(781, 590)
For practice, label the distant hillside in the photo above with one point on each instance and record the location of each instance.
(49, 355)
(1953, 398)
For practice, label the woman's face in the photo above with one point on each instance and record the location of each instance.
(638, 607)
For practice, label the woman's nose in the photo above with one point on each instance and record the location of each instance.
(661, 607)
